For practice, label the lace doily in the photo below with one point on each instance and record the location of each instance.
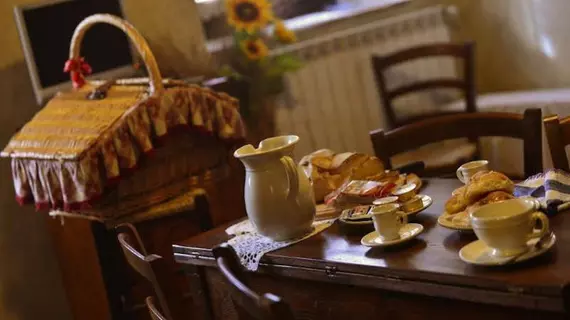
(250, 246)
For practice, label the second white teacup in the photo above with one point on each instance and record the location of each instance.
(388, 220)
(467, 170)
(507, 226)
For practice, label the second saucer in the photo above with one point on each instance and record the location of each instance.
(407, 232)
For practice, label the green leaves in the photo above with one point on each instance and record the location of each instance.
(265, 75)
(288, 62)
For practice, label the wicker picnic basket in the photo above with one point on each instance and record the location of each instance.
(110, 149)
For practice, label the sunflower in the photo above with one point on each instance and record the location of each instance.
(283, 34)
(248, 15)
(254, 49)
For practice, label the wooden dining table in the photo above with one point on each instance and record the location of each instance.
(332, 276)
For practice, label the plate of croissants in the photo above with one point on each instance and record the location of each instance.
(483, 188)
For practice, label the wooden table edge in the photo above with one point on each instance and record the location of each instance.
(511, 297)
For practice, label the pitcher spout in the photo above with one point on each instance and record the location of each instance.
(281, 144)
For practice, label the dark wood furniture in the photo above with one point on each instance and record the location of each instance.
(151, 266)
(558, 136)
(261, 307)
(466, 84)
(100, 285)
(527, 127)
(441, 159)
(332, 276)
(125, 289)
(153, 311)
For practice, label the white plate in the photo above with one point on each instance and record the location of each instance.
(360, 222)
(478, 253)
(445, 220)
(408, 232)
(426, 200)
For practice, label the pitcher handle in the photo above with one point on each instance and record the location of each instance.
(292, 176)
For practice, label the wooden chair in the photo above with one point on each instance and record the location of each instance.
(151, 266)
(466, 84)
(558, 135)
(262, 307)
(527, 127)
(153, 311)
(455, 152)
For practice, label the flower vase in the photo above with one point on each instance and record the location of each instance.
(261, 121)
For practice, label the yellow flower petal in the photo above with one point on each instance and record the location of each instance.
(248, 15)
(283, 34)
(254, 49)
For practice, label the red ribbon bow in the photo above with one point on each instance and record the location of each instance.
(77, 69)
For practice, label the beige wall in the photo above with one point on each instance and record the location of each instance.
(521, 44)
(30, 283)
(174, 33)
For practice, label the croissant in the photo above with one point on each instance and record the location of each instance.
(457, 201)
(485, 183)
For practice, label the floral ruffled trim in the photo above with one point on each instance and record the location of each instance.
(75, 185)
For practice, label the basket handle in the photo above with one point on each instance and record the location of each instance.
(137, 39)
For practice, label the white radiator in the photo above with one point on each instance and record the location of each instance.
(333, 102)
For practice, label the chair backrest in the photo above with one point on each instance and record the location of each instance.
(527, 127)
(154, 313)
(266, 306)
(466, 84)
(558, 135)
(150, 266)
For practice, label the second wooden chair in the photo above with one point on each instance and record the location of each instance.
(558, 135)
(527, 127)
(262, 307)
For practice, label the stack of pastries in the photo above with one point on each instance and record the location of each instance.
(483, 188)
(330, 171)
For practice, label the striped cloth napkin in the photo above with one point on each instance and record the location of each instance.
(551, 188)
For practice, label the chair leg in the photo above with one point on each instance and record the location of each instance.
(109, 255)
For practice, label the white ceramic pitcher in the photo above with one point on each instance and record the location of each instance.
(278, 196)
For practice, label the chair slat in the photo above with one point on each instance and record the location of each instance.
(154, 313)
(558, 136)
(527, 127)
(466, 83)
(152, 267)
(262, 307)
(425, 85)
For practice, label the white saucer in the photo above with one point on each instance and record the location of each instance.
(426, 201)
(445, 220)
(478, 253)
(408, 232)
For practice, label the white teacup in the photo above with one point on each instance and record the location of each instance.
(467, 170)
(388, 220)
(507, 226)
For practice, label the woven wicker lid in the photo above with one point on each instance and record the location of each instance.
(70, 124)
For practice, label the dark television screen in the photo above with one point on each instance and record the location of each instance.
(50, 29)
